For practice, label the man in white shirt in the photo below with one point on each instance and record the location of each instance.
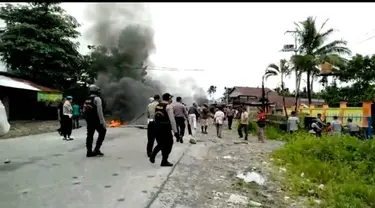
(293, 122)
(244, 123)
(219, 120)
(336, 126)
(353, 128)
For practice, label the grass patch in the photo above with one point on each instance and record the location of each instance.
(338, 170)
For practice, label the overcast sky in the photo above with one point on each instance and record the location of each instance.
(234, 42)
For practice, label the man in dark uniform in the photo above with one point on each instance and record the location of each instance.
(60, 115)
(93, 112)
(164, 125)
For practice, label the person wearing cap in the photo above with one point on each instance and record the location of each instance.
(67, 119)
(164, 124)
(151, 124)
(93, 111)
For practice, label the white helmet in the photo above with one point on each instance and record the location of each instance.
(151, 99)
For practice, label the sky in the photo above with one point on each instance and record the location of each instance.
(235, 42)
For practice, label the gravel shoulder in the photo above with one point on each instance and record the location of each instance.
(206, 175)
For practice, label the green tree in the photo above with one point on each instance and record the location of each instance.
(282, 70)
(314, 49)
(37, 43)
(227, 90)
(359, 70)
(268, 73)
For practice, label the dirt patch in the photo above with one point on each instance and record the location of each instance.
(206, 175)
(25, 128)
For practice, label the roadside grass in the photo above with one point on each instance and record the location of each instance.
(337, 171)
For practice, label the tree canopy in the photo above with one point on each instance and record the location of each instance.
(37, 43)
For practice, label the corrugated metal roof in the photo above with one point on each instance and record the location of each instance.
(12, 82)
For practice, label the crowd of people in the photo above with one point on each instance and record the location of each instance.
(318, 126)
(165, 116)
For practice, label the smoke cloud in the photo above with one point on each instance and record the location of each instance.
(126, 35)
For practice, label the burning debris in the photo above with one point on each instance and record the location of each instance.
(114, 123)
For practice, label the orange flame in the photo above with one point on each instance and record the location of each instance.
(114, 123)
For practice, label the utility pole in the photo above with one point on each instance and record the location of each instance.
(293, 48)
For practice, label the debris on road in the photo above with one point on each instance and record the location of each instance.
(7, 161)
(252, 177)
(237, 199)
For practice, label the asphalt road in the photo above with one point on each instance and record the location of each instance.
(46, 171)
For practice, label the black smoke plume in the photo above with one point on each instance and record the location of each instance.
(123, 37)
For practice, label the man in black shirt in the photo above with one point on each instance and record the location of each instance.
(60, 114)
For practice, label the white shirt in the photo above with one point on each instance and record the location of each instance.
(336, 126)
(219, 117)
(293, 123)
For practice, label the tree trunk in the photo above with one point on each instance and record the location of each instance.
(263, 95)
(312, 84)
(298, 85)
(283, 94)
(309, 85)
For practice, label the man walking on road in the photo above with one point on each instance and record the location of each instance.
(93, 111)
(204, 118)
(230, 116)
(164, 124)
(244, 122)
(192, 116)
(180, 114)
(151, 124)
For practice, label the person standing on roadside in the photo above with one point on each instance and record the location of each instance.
(293, 122)
(60, 115)
(244, 123)
(180, 114)
(336, 126)
(165, 123)
(261, 125)
(219, 120)
(67, 118)
(76, 115)
(151, 124)
(93, 111)
(230, 116)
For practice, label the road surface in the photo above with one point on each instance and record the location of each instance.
(46, 171)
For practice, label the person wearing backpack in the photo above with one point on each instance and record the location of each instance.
(93, 112)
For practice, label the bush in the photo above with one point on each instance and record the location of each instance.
(252, 128)
(344, 165)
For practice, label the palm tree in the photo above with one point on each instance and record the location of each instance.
(313, 49)
(267, 73)
(282, 69)
(211, 91)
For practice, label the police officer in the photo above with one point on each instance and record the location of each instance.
(164, 124)
(151, 123)
(93, 112)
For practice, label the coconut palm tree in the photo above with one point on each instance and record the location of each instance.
(268, 73)
(211, 91)
(282, 70)
(314, 49)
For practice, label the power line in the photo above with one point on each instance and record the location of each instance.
(366, 39)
